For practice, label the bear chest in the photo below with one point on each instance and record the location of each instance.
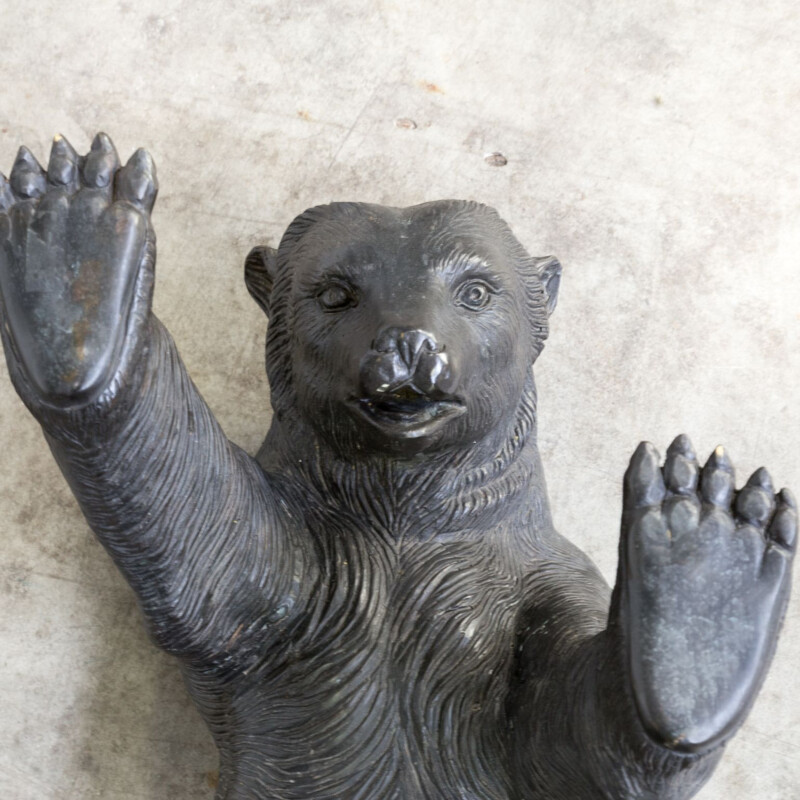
(395, 677)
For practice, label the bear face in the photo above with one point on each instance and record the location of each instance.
(408, 330)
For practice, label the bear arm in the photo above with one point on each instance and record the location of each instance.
(190, 519)
(577, 733)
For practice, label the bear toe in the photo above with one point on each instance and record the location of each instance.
(681, 470)
(783, 528)
(100, 163)
(136, 182)
(62, 169)
(755, 502)
(717, 480)
(27, 176)
(644, 483)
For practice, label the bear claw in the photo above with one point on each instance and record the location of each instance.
(682, 445)
(761, 478)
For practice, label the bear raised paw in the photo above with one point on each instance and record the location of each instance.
(705, 577)
(377, 606)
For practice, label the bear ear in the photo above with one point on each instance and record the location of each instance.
(549, 269)
(259, 274)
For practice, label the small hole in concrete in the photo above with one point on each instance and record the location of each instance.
(405, 122)
(495, 159)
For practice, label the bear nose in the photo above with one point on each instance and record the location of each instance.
(408, 343)
(407, 359)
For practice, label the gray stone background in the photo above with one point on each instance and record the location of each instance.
(653, 146)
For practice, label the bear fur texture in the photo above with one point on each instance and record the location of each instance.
(377, 606)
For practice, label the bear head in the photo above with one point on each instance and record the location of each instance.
(402, 330)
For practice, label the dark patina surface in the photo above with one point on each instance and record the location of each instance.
(377, 606)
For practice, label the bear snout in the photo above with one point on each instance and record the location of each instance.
(407, 358)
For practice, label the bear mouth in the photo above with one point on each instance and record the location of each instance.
(408, 415)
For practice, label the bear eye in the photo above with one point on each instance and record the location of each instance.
(337, 297)
(474, 295)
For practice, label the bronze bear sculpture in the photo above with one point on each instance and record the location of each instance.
(377, 606)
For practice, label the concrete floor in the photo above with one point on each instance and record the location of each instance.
(651, 146)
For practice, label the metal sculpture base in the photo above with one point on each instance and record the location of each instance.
(378, 606)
